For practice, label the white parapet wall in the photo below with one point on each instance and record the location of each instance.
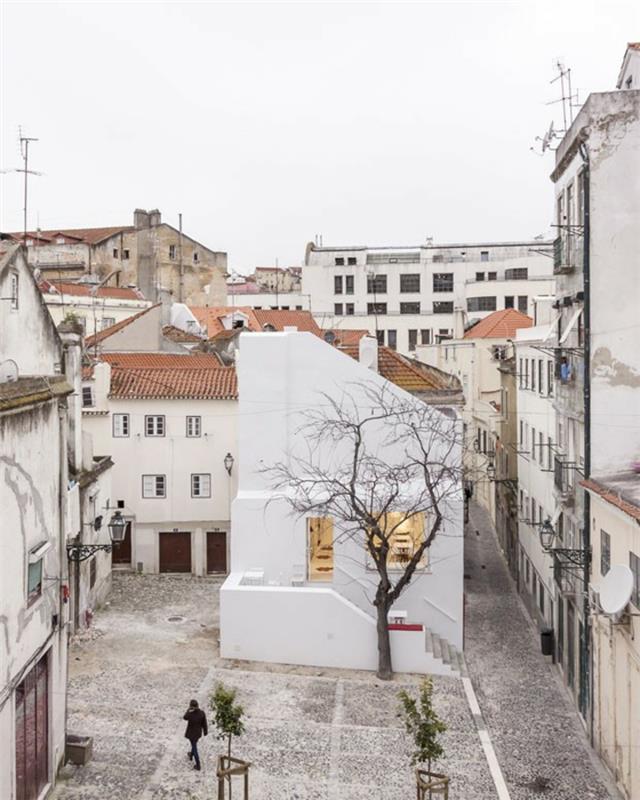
(309, 625)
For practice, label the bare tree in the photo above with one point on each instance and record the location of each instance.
(376, 460)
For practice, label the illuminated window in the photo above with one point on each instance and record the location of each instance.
(405, 537)
(320, 548)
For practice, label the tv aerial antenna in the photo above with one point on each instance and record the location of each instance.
(25, 141)
(568, 99)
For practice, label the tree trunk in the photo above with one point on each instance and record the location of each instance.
(385, 671)
(229, 764)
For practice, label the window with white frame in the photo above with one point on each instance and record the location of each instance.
(87, 396)
(154, 486)
(154, 425)
(120, 425)
(194, 427)
(605, 552)
(107, 322)
(634, 566)
(15, 282)
(201, 485)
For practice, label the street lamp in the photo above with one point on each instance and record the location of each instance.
(117, 527)
(228, 463)
(547, 535)
(491, 471)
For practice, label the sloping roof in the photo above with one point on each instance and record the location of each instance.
(219, 383)
(178, 335)
(403, 373)
(173, 361)
(245, 288)
(345, 337)
(85, 235)
(96, 338)
(613, 495)
(84, 290)
(302, 320)
(211, 318)
(32, 390)
(499, 325)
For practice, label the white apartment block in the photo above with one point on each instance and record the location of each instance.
(406, 296)
(536, 449)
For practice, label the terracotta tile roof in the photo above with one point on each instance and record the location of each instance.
(210, 317)
(402, 372)
(244, 288)
(178, 335)
(499, 325)
(302, 320)
(84, 290)
(173, 361)
(185, 384)
(86, 235)
(226, 334)
(345, 337)
(96, 338)
(612, 496)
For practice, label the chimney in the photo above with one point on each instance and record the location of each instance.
(140, 219)
(458, 323)
(368, 352)
(155, 218)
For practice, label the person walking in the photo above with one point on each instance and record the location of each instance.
(196, 727)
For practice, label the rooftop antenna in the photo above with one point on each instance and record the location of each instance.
(567, 98)
(24, 152)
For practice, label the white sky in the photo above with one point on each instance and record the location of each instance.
(268, 123)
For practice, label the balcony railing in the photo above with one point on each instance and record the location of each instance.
(568, 254)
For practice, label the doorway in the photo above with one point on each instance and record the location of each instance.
(216, 551)
(32, 732)
(175, 551)
(121, 553)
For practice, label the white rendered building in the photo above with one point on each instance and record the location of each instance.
(407, 295)
(298, 592)
(536, 448)
(168, 421)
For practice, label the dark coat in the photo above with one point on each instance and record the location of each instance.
(196, 724)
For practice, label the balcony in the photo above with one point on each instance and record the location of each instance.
(568, 254)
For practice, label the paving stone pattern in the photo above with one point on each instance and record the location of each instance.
(539, 741)
(311, 734)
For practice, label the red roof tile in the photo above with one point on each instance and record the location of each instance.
(345, 337)
(84, 290)
(173, 361)
(184, 384)
(612, 497)
(412, 377)
(211, 318)
(499, 325)
(302, 320)
(178, 335)
(86, 235)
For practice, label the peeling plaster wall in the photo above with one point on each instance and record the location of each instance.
(614, 147)
(29, 499)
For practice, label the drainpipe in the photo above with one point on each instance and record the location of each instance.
(587, 687)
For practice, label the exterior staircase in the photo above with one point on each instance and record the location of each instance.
(440, 648)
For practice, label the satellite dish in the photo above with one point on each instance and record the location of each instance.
(329, 337)
(616, 590)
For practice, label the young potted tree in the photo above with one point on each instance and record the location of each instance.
(425, 727)
(227, 717)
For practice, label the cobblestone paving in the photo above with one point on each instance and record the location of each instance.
(311, 734)
(539, 741)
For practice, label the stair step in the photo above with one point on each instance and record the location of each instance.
(428, 639)
(437, 646)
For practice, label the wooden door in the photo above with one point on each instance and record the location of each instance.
(121, 553)
(32, 732)
(216, 551)
(175, 551)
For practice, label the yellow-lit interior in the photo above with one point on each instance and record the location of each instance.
(404, 539)
(320, 549)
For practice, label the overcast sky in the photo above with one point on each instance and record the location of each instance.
(268, 123)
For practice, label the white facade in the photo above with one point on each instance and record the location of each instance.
(416, 289)
(38, 513)
(535, 447)
(282, 301)
(94, 313)
(271, 606)
(184, 449)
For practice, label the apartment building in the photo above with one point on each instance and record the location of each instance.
(406, 296)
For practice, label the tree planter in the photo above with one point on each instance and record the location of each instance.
(78, 749)
(228, 768)
(431, 784)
